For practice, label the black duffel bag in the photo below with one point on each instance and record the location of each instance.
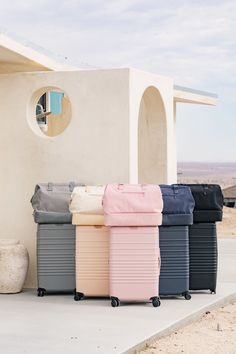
(208, 202)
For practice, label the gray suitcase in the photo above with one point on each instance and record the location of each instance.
(55, 258)
(174, 247)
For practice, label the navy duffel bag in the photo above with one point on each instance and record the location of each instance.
(178, 205)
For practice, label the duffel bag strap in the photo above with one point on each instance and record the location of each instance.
(71, 186)
(131, 188)
(50, 186)
(175, 189)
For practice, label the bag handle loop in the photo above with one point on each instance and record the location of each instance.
(71, 186)
(50, 186)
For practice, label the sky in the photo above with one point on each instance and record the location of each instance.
(193, 41)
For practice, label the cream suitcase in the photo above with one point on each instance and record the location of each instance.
(92, 269)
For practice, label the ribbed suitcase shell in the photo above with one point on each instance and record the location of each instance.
(92, 270)
(134, 263)
(56, 257)
(203, 256)
(174, 247)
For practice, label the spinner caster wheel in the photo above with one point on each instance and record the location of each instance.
(115, 302)
(187, 296)
(41, 292)
(78, 296)
(156, 302)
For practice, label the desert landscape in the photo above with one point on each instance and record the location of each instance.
(223, 174)
(227, 228)
(215, 332)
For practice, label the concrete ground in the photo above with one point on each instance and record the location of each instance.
(57, 324)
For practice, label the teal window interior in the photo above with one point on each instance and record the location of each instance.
(56, 102)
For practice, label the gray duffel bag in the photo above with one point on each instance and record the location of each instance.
(51, 203)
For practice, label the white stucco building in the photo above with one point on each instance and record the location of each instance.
(120, 127)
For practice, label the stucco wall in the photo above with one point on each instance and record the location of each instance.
(100, 145)
(93, 149)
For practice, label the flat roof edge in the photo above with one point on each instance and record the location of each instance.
(32, 54)
(194, 91)
(189, 95)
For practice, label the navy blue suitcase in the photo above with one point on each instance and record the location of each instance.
(174, 240)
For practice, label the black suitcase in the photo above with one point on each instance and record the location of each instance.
(203, 256)
(174, 247)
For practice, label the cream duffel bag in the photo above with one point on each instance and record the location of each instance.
(86, 205)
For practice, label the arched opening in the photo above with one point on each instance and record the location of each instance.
(152, 138)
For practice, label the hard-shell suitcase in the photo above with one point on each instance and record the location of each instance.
(203, 256)
(134, 261)
(55, 258)
(174, 247)
(174, 243)
(92, 270)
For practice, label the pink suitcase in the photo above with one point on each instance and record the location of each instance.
(132, 205)
(134, 262)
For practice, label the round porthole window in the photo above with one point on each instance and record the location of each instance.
(51, 110)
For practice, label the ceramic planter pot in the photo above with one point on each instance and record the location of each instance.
(14, 263)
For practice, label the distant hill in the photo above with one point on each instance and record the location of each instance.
(203, 172)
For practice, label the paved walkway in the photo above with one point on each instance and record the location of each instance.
(58, 324)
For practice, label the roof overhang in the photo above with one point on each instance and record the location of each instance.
(188, 95)
(17, 57)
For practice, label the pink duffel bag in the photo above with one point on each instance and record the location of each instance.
(132, 205)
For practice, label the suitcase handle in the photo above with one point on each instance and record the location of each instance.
(129, 188)
(71, 186)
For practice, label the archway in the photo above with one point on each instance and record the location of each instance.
(152, 138)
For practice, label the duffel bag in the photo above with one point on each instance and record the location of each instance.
(86, 205)
(208, 202)
(178, 205)
(132, 205)
(51, 202)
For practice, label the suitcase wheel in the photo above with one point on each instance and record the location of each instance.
(78, 296)
(115, 302)
(41, 292)
(156, 302)
(213, 291)
(187, 296)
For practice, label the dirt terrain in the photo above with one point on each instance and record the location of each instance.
(227, 228)
(214, 333)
